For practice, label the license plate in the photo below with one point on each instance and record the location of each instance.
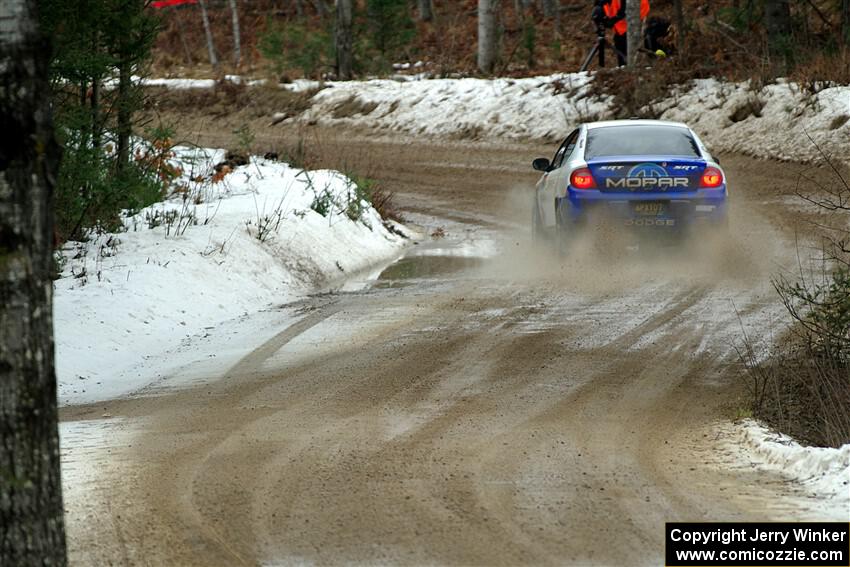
(650, 208)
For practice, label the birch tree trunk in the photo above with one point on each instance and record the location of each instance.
(237, 41)
(343, 40)
(31, 523)
(633, 34)
(208, 33)
(426, 10)
(487, 35)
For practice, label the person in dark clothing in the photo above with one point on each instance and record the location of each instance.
(612, 15)
(655, 31)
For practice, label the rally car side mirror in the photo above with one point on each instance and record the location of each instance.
(541, 164)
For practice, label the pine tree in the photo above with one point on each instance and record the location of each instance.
(390, 26)
(96, 40)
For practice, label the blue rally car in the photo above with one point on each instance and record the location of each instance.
(646, 174)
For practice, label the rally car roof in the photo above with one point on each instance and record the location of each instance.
(642, 122)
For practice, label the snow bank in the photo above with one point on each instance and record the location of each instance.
(211, 253)
(185, 83)
(537, 107)
(822, 472)
(772, 122)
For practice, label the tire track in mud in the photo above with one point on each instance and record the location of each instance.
(186, 507)
(169, 513)
(459, 499)
(368, 462)
(551, 416)
(187, 483)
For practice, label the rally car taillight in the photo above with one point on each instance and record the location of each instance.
(712, 177)
(582, 179)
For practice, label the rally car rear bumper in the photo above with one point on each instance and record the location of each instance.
(645, 209)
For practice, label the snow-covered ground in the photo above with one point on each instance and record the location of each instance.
(539, 107)
(771, 122)
(823, 473)
(129, 305)
(774, 121)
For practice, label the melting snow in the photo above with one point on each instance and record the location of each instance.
(128, 303)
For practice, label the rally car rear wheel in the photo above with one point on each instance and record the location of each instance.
(565, 227)
(538, 233)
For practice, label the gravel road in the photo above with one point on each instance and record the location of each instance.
(482, 402)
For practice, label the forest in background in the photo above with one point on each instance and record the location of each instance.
(735, 39)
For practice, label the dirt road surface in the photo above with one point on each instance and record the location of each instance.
(483, 402)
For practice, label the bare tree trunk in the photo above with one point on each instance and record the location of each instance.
(681, 26)
(321, 8)
(487, 35)
(426, 10)
(181, 32)
(94, 100)
(125, 110)
(343, 40)
(845, 21)
(237, 41)
(552, 11)
(208, 33)
(32, 528)
(299, 8)
(777, 22)
(95, 112)
(634, 31)
(777, 17)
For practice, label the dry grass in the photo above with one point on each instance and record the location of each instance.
(820, 70)
(802, 392)
(228, 99)
(636, 93)
(803, 387)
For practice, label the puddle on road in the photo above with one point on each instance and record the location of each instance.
(427, 267)
(460, 247)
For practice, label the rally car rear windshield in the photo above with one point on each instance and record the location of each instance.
(615, 141)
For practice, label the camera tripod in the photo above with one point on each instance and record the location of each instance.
(597, 49)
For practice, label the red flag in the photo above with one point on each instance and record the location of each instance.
(167, 3)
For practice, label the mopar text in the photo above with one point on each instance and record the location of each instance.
(646, 182)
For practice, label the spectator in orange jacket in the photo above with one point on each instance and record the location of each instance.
(612, 14)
